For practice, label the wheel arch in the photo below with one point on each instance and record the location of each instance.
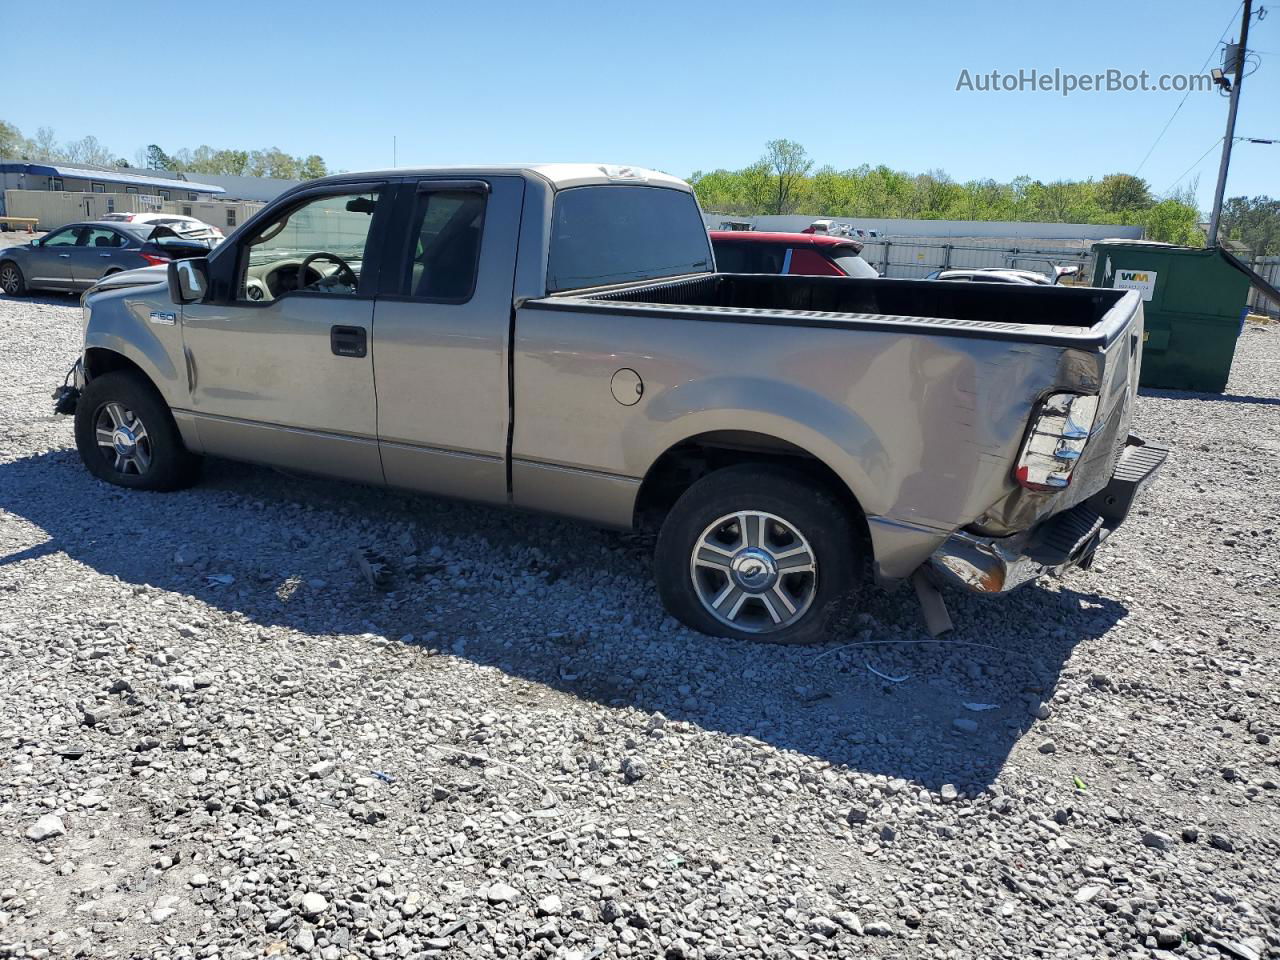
(684, 463)
(100, 360)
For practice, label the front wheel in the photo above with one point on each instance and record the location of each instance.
(755, 553)
(126, 435)
(11, 280)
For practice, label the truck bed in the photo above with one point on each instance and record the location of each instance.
(1070, 316)
(918, 378)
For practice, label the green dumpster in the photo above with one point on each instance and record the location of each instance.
(1194, 306)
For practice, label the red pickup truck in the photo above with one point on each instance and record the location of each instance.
(749, 251)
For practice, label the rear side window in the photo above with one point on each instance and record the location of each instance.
(749, 257)
(445, 246)
(615, 234)
(98, 237)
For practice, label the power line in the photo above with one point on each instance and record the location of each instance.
(1193, 166)
(1165, 128)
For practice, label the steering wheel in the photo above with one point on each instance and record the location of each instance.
(351, 279)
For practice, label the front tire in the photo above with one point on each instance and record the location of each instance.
(126, 435)
(12, 281)
(756, 553)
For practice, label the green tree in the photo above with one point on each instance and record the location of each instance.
(757, 187)
(157, 159)
(831, 192)
(312, 167)
(231, 162)
(719, 190)
(789, 164)
(1254, 222)
(1122, 191)
(272, 162)
(12, 142)
(1173, 221)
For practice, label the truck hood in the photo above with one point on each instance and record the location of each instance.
(143, 276)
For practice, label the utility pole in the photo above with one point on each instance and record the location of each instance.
(1230, 137)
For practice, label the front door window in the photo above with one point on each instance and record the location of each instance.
(64, 238)
(316, 247)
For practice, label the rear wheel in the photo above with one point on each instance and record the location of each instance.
(126, 435)
(11, 280)
(755, 552)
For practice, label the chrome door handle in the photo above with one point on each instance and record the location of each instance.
(65, 256)
(104, 254)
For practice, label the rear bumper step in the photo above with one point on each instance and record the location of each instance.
(1068, 539)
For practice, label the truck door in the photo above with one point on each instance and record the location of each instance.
(441, 336)
(282, 372)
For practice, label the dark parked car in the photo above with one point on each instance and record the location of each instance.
(793, 253)
(78, 255)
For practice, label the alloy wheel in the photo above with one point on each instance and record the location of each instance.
(122, 438)
(754, 571)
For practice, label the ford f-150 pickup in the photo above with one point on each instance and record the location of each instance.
(557, 338)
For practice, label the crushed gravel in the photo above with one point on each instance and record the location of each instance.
(217, 739)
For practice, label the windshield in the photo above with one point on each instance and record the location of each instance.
(613, 234)
(855, 266)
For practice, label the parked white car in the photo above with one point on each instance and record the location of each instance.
(189, 228)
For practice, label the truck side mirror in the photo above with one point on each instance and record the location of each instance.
(188, 280)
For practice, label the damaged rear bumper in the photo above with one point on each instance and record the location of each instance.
(1068, 539)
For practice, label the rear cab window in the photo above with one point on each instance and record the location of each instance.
(615, 233)
(444, 251)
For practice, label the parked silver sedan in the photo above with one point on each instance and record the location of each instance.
(78, 255)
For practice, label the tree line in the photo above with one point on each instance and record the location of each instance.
(90, 151)
(786, 180)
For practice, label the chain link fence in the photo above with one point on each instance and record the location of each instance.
(1269, 269)
(908, 259)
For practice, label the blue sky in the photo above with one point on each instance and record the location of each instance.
(676, 86)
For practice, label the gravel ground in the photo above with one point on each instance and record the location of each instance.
(219, 741)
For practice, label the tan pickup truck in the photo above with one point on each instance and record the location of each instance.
(556, 338)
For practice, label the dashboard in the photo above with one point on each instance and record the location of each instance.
(270, 281)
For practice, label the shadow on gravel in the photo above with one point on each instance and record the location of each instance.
(561, 605)
(1217, 397)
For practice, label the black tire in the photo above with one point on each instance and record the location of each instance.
(801, 507)
(12, 282)
(168, 463)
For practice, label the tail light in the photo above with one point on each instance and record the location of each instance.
(154, 259)
(1056, 441)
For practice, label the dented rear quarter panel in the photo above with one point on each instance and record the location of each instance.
(923, 428)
